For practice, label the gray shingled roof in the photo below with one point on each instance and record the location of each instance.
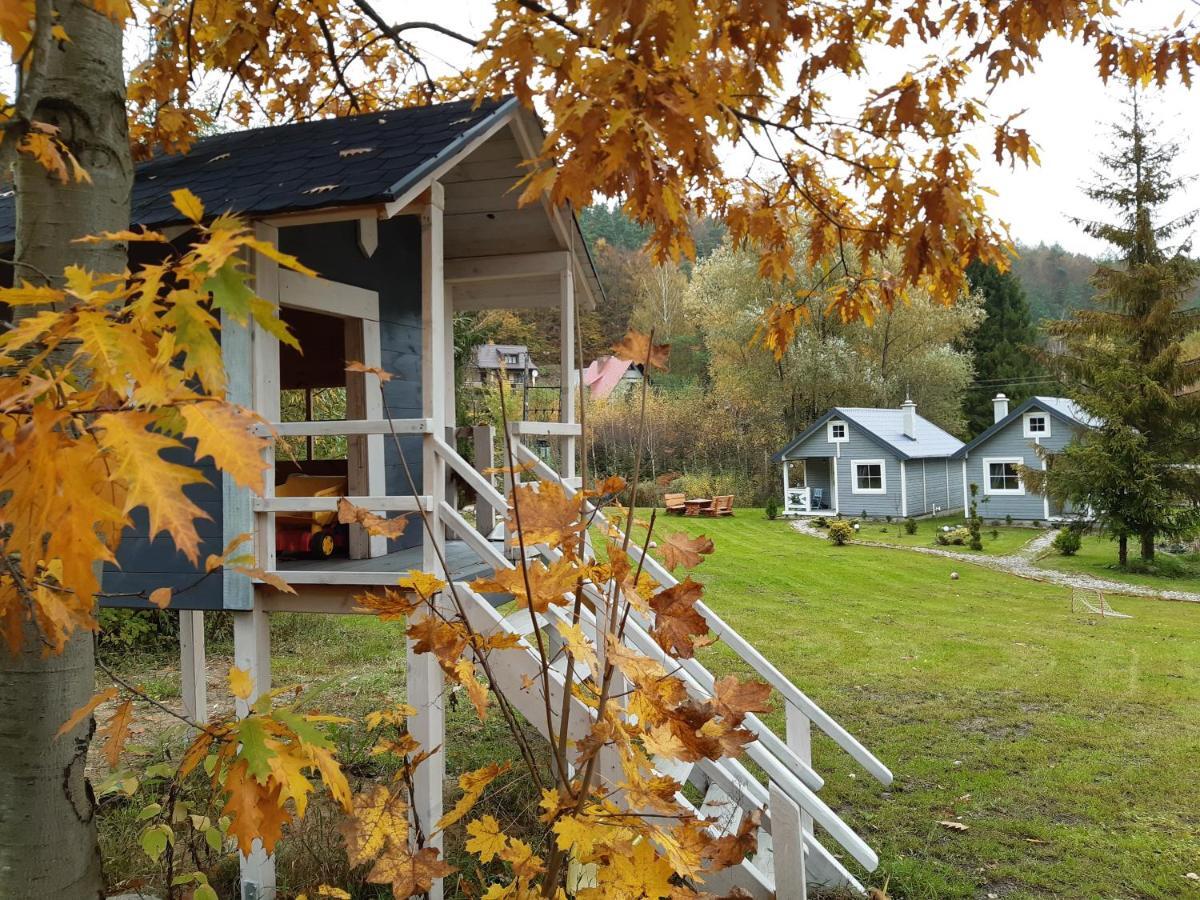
(487, 356)
(1070, 409)
(886, 427)
(369, 158)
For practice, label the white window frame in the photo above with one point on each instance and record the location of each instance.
(990, 461)
(855, 463)
(1028, 417)
(829, 431)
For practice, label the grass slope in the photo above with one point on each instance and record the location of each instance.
(1098, 557)
(1064, 743)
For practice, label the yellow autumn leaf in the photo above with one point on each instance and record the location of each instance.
(188, 204)
(486, 840)
(241, 684)
(161, 597)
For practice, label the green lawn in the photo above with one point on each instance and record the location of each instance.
(1066, 744)
(1008, 539)
(1098, 557)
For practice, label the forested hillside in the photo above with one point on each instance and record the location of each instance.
(1055, 280)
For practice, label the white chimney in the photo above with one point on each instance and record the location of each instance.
(910, 418)
(999, 407)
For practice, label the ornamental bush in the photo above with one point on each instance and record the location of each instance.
(840, 532)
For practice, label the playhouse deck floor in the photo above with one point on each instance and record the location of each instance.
(464, 566)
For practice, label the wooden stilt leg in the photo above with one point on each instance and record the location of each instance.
(252, 652)
(194, 686)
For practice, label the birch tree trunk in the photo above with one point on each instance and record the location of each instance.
(48, 842)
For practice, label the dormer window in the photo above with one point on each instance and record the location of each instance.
(1037, 425)
(837, 432)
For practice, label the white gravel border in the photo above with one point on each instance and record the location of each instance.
(1022, 565)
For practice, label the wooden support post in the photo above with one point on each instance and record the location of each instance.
(787, 846)
(364, 452)
(425, 683)
(192, 667)
(265, 391)
(484, 440)
(799, 741)
(570, 376)
(252, 652)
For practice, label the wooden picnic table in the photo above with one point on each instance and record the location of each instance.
(694, 507)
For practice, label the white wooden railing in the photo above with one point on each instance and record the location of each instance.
(792, 781)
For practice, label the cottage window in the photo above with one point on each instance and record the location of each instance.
(1037, 424)
(837, 432)
(1003, 476)
(869, 477)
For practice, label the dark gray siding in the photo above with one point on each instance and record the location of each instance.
(143, 565)
(1011, 443)
(395, 272)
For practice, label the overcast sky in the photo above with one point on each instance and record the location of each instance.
(1066, 107)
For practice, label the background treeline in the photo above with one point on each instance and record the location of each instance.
(727, 405)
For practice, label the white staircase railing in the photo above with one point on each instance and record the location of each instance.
(788, 847)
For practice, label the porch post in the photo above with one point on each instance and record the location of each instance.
(786, 488)
(833, 479)
(484, 441)
(566, 356)
(192, 668)
(252, 653)
(425, 684)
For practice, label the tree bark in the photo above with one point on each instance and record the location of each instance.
(1123, 550)
(48, 844)
(1147, 545)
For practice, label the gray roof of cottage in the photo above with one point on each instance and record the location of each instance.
(1061, 408)
(488, 356)
(886, 428)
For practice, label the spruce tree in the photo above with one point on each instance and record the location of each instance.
(1002, 346)
(1124, 362)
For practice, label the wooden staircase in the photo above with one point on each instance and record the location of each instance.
(795, 821)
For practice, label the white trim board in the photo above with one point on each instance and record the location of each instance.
(332, 298)
(855, 463)
(988, 462)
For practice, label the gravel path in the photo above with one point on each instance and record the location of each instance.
(1022, 565)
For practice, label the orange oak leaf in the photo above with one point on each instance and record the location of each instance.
(636, 348)
(116, 732)
(380, 526)
(226, 433)
(160, 597)
(364, 369)
(681, 549)
(86, 710)
(677, 625)
(734, 698)
(409, 874)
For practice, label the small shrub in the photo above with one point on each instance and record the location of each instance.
(995, 533)
(1036, 523)
(1067, 542)
(889, 519)
(821, 522)
(910, 525)
(864, 515)
(841, 532)
(772, 508)
(883, 530)
(954, 537)
(1008, 520)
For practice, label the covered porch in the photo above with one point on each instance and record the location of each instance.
(810, 486)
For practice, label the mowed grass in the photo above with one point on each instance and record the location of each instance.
(1066, 744)
(1098, 557)
(1005, 540)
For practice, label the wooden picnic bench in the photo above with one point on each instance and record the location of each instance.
(720, 506)
(675, 504)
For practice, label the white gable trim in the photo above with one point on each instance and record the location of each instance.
(829, 431)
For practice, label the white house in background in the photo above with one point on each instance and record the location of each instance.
(882, 462)
(511, 359)
(993, 459)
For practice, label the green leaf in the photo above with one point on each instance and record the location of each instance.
(230, 292)
(204, 892)
(210, 764)
(255, 752)
(159, 770)
(212, 837)
(266, 315)
(155, 840)
(308, 732)
(149, 812)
